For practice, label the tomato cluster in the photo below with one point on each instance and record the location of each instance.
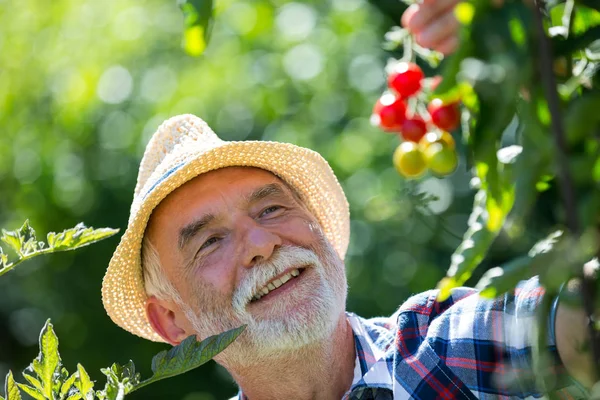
(426, 143)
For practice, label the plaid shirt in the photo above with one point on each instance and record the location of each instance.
(463, 348)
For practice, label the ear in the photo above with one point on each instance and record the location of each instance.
(163, 319)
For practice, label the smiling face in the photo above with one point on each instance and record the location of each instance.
(241, 248)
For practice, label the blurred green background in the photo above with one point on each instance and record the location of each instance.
(83, 85)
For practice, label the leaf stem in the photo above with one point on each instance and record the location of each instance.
(566, 185)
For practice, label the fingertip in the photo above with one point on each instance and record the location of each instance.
(408, 16)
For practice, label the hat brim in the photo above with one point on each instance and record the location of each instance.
(123, 292)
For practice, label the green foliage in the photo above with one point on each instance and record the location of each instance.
(198, 16)
(49, 380)
(24, 243)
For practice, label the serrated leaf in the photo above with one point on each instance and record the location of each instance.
(33, 381)
(77, 237)
(11, 389)
(67, 385)
(12, 239)
(33, 392)
(48, 361)
(190, 354)
(84, 384)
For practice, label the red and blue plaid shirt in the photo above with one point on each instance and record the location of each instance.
(463, 348)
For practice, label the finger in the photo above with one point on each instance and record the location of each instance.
(428, 13)
(442, 28)
(448, 46)
(409, 14)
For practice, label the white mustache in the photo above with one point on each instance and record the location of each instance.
(285, 257)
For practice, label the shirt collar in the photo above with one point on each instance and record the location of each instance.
(373, 341)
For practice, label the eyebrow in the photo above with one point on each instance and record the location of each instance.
(192, 229)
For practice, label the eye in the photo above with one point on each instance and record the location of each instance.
(270, 210)
(210, 241)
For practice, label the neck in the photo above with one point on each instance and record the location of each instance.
(320, 371)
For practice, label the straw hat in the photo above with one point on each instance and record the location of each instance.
(183, 148)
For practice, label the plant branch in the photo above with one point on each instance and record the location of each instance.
(566, 186)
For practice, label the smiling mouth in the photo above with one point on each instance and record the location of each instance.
(277, 283)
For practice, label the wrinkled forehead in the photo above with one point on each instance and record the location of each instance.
(245, 179)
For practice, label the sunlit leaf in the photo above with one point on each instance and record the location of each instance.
(33, 381)
(11, 389)
(190, 354)
(33, 392)
(67, 385)
(84, 383)
(77, 237)
(48, 361)
(198, 16)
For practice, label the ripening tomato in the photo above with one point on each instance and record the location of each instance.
(441, 160)
(389, 113)
(405, 79)
(413, 129)
(437, 137)
(444, 116)
(409, 160)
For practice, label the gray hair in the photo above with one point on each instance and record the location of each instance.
(155, 281)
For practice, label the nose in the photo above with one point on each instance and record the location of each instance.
(260, 243)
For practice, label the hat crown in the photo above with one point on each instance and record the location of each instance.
(177, 135)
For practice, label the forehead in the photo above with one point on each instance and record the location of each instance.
(212, 188)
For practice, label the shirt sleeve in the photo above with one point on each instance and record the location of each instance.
(485, 344)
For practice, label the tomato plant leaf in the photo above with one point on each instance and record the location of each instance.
(67, 385)
(33, 381)
(190, 354)
(77, 237)
(198, 17)
(11, 389)
(84, 383)
(33, 392)
(122, 379)
(48, 361)
(498, 280)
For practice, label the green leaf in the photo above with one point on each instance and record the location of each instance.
(33, 392)
(122, 379)
(198, 16)
(11, 389)
(84, 384)
(33, 381)
(190, 354)
(18, 238)
(498, 280)
(48, 361)
(67, 385)
(77, 237)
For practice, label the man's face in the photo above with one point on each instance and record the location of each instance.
(227, 241)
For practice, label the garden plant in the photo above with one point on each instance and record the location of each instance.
(519, 100)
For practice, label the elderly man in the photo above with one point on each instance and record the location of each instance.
(223, 234)
(233, 233)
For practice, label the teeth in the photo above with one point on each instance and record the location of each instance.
(275, 284)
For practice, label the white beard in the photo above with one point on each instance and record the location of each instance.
(320, 300)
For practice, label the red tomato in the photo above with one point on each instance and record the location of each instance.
(444, 116)
(406, 79)
(389, 113)
(413, 129)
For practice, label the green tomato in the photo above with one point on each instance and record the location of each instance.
(441, 160)
(409, 160)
